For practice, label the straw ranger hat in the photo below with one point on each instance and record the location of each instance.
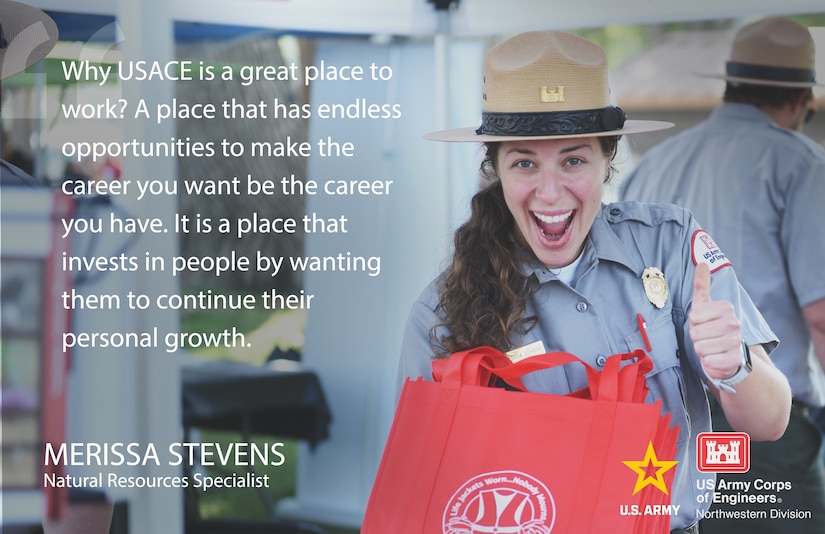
(26, 36)
(547, 85)
(773, 51)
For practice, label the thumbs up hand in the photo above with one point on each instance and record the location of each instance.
(714, 329)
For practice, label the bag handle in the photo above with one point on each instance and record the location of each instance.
(469, 367)
(603, 385)
(621, 378)
(614, 382)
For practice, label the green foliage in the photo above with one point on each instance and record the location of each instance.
(245, 502)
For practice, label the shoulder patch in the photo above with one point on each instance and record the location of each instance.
(703, 249)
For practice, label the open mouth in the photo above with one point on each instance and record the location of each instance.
(553, 227)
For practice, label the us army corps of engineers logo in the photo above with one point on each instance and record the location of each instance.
(723, 452)
(504, 502)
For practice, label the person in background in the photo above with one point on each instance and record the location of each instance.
(542, 265)
(27, 35)
(758, 185)
(13, 154)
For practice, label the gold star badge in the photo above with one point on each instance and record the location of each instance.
(643, 467)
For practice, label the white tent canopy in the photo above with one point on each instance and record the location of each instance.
(469, 17)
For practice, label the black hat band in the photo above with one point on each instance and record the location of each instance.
(552, 123)
(774, 74)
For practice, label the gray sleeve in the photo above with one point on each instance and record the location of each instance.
(417, 350)
(802, 235)
(724, 286)
(755, 330)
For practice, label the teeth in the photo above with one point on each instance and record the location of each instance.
(553, 219)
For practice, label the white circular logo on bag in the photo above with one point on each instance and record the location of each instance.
(504, 502)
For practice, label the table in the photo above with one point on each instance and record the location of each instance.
(235, 396)
(239, 397)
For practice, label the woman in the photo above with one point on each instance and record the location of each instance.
(542, 265)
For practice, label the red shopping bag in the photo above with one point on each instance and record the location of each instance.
(465, 458)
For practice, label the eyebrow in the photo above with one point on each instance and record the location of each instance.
(522, 150)
(575, 147)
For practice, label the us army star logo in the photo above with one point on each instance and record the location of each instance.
(643, 467)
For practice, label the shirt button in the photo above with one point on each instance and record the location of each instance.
(581, 306)
(601, 360)
(615, 211)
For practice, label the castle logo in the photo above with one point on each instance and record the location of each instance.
(504, 502)
(723, 452)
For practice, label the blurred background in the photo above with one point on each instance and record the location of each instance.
(321, 379)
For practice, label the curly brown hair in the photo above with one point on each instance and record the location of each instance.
(483, 293)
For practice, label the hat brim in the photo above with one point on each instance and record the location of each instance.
(759, 81)
(469, 135)
(31, 34)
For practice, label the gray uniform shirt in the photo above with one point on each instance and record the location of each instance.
(760, 191)
(596, 316)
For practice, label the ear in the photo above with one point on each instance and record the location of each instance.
(801, 101)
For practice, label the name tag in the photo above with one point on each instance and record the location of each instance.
(525, 351)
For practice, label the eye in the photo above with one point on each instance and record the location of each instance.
(574, 161)
(523, 164)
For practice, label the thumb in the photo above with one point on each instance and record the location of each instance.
(701, 284)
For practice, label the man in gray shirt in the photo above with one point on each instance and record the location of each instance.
(758, 186)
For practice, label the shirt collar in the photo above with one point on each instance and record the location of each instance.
(602, 244)
(736, 110)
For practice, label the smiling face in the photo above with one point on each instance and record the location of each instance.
(553, 188)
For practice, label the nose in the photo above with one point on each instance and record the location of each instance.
(549, 188)
(809, 114)
(810, 110)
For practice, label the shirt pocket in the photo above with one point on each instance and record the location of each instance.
(666, 380)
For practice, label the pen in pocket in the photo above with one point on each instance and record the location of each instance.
(643, 330)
